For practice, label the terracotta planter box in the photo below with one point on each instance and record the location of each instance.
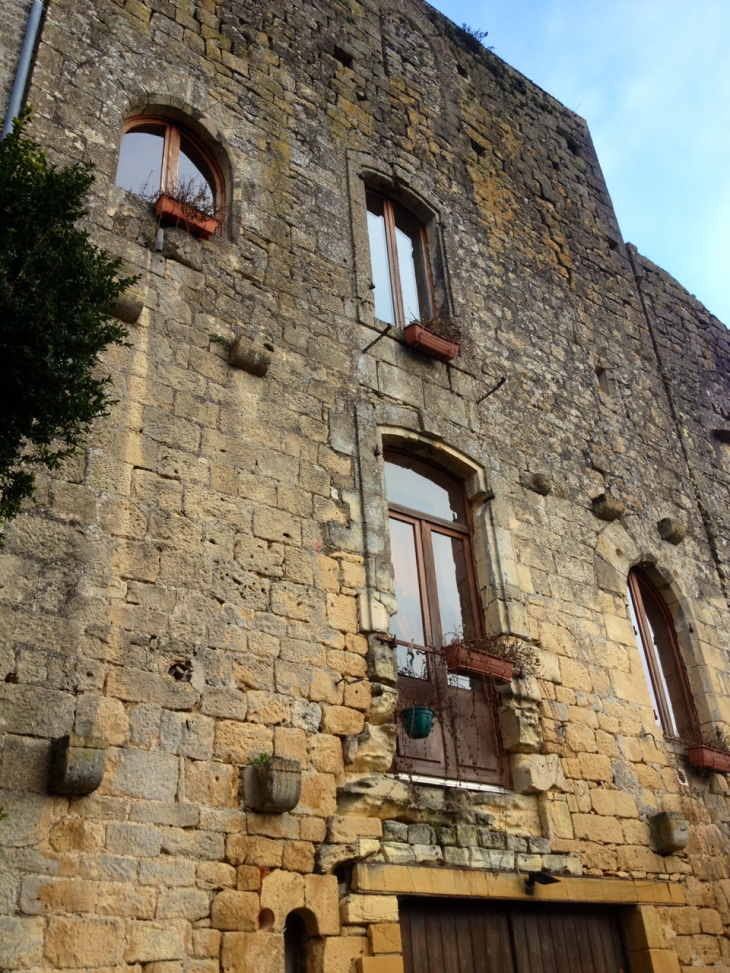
(470, 663)
(708, 758)
(194, 221)
(430, 343)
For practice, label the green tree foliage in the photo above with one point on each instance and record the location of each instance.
(56, 294)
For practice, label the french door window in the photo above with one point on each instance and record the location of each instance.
(399, 262)
(437, 596)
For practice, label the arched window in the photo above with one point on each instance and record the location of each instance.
(660, 656)
(159, 156)
(401, 272)
(437, 594)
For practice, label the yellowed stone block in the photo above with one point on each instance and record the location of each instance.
(345, 829)
(298, 856)
(244, 952)
(385, 937)
(614, 803)
(234, 910)
(364, 909)
(342, 612)
(654, 961)
(336, 954)
(321, 897)
(77, 942)
(241, 743)
(380, 964)
(642, 929)
(282, 892)
(342, 721)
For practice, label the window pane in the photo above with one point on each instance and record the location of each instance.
(407, 624)
(411, 267)
(452, 584)
(423, 488)
(672, 681)
(644, 661)
(140, 159)
(195, 176)
(379, 261)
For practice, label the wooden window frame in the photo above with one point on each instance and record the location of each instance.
(424, 524)
(389, 211)
(671, 712)
(171, 154)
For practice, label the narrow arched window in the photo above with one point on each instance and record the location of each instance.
(295, 944)
(157, 156)
(438, 599)
(660, 656)
(399, 262)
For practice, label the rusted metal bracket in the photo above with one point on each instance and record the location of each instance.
(499, 385)
(376, 340)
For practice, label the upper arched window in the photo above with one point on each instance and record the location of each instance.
(159, 156)
(402, 284)
(665, 673)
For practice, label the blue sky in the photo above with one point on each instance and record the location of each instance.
(652, 79)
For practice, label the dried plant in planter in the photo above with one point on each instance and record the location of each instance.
(189, 203)
(493, 655)
(437, 337)
(445, 328)
(712, 752)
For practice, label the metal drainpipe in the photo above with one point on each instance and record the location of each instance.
(26, 57)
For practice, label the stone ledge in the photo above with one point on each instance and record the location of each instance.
(411, 880)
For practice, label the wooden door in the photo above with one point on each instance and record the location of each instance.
(448, 936)
(441, 937)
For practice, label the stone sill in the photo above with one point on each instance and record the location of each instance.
(465, 785)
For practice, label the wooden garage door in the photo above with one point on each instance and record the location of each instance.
(448, 936)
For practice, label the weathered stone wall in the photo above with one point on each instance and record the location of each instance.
(207, 582)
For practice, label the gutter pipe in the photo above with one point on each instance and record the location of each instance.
(24, 64)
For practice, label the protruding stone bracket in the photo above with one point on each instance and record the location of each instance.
(519, 716)
(274, 786)
(540, 483)
(535, 773)
(608, 508)
(671, 530)
(250, 356)
(127, 308)
(669, 832)
(77, 764)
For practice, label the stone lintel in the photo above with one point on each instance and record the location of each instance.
(386, 879)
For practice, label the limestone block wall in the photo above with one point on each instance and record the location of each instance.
(208, 581)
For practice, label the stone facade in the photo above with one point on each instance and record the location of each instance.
(209, 580)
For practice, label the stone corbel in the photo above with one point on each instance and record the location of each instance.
(77, 764)
(535, 773)
(519, 717)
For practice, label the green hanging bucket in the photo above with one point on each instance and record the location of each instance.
(417, 721)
